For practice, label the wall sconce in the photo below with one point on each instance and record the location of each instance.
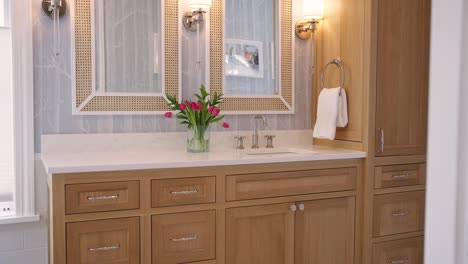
(313, 12)
(195, 18)
(55, 9)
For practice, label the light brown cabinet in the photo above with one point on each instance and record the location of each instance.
(320, 231)
(115, 241)
(404, 251)
(183, 237)
(102, 197)
(260, 235)
(397, 213)
(325, 231)
(402, 77)
(285, 213)
(184, 191)
(399, 175)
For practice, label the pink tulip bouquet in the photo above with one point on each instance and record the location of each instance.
(198, 116)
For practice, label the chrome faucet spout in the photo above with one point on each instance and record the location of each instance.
(255, 129)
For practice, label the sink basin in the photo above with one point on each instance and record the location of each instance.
(277, 152)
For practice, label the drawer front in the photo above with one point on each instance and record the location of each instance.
(405, 251)
(398, 213)
(400, 175)
(101, 197)
(115, 241)
(183, 237)
(186, 191)
(265, 185)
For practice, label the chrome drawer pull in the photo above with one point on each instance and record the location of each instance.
(401, 176)
(103, 198)
(115, 247)
(397, 261)
(404, 213)
(382, 140)
(184, 192)
(184, 239)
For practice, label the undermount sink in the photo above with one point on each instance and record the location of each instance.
(273, 152)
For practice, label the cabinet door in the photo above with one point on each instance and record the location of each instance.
(402, 77)
(114, 241)
(405, 251)
(325, 231)
(183, 237)
(260, 235)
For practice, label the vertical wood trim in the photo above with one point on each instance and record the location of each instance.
(359, 215)
(220, 236)
(57, 212)
(145, 239)
(220, 219)
(145, 221)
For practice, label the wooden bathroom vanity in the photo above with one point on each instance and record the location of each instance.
(289, 212)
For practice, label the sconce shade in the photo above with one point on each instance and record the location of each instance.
(200, 4)
(312, 9)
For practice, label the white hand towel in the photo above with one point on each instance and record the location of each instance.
(329, 104)
(342, 119)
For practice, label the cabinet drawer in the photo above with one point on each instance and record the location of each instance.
(275, 184)
(405, 251)
(398, 213)
(183, 237)
(101, 197)
(171, 192)
(115, 241)
(400, 175)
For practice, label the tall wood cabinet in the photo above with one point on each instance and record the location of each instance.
(396, 164)
(402, 77)
(388, 101)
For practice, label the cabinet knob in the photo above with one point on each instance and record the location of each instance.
(301, 207)
(293, 207)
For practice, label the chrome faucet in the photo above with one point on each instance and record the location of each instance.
(255, 129)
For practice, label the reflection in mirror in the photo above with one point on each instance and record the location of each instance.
(251, 49)
(128, 46)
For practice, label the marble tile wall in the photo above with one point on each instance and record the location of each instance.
(53, 89)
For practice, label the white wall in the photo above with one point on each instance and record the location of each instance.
(27, 243)
(462, 205)
(445, 233)
(6, 117)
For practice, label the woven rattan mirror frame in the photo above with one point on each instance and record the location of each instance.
(283, 103)
(86, 101)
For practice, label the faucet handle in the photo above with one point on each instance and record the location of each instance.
(239, 142)
(270, 141)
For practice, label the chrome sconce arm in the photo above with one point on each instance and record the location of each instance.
(304, 29)
(55, 9)
(193, 20)
(50, 7)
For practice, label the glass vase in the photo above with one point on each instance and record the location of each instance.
(198, 139)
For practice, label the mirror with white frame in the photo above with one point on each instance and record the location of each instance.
(124, 62)
(246, 64)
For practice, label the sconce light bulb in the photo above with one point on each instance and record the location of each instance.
(196, 5)
(312, 9)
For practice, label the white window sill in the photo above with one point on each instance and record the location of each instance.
(19, 219)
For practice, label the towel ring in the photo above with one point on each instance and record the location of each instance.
(338, 62)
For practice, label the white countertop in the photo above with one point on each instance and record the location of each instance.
(69, 153)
